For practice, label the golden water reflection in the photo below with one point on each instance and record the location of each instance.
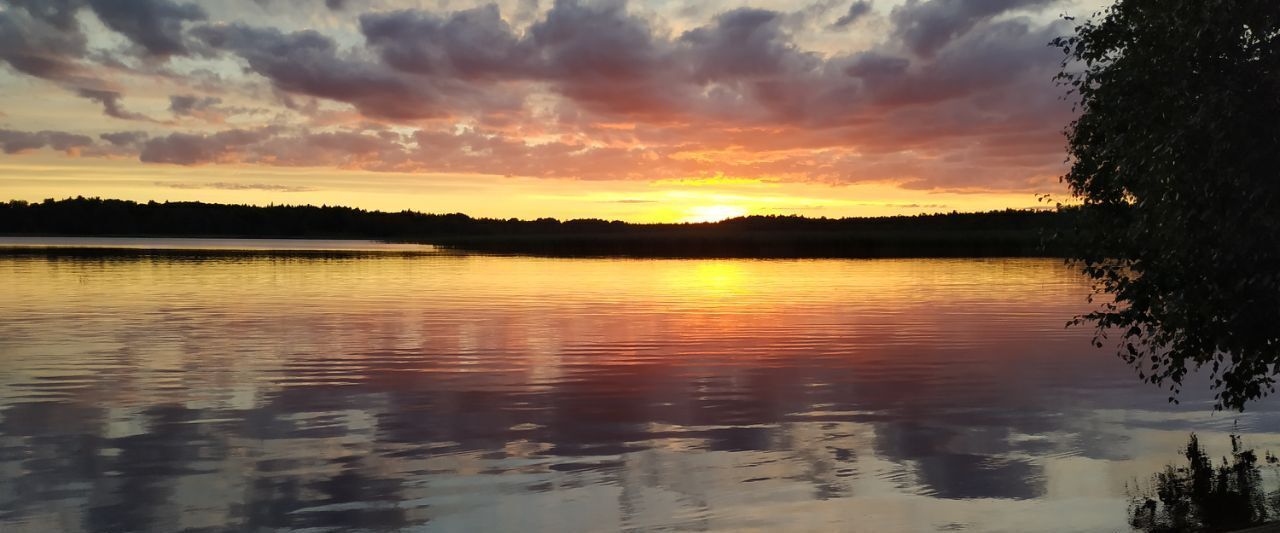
(500, 393)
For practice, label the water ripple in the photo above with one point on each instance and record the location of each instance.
(392, 391)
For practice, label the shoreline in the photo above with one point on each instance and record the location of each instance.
(737, 246)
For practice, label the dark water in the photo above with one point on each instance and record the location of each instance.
(446, 392)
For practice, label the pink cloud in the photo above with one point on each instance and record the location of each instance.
(956, 96)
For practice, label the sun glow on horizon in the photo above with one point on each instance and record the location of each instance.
(714, 213)
(40, 176)
(315, 105)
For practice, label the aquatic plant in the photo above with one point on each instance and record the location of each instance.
(1199, 496)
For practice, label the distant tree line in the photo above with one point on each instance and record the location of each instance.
(995, 233)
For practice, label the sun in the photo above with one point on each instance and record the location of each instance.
(714, 213)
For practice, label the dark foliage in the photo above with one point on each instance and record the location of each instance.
(1199, 496)
(1176, 158)
(999, 233)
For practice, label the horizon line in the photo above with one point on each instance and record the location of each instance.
(1046, 209)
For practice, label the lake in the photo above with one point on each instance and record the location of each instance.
(395, 387)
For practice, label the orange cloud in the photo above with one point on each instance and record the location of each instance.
(951, 96)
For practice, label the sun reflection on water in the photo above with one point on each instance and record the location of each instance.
(488, 393)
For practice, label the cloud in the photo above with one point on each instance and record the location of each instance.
(743, 66)
(111, 105)
(13, 142)
(213, 110)
(857, 10)
(60, 14)
(193, 149)
(156, 26)
(925, 26)
(470, 44)
(745, 44)
(1003, 159)
(42, 45)
(874, 65)
(229, 186)
(598, 41)
(273, 146)
(124, 138)
(43, 37)
(954, 95)
(345, 149)
(309, 63)
(1001, 55)
(207, 108)
(597, 55)
(795, 208)
(605, 59)
(186, 104)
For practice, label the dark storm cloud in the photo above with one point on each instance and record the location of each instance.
(927, 26)
(12, 142)
(856, 11)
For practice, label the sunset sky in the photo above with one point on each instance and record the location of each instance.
(648, 110)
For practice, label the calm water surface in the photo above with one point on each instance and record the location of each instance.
(453, 392)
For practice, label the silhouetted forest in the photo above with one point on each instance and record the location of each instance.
(996, 233)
